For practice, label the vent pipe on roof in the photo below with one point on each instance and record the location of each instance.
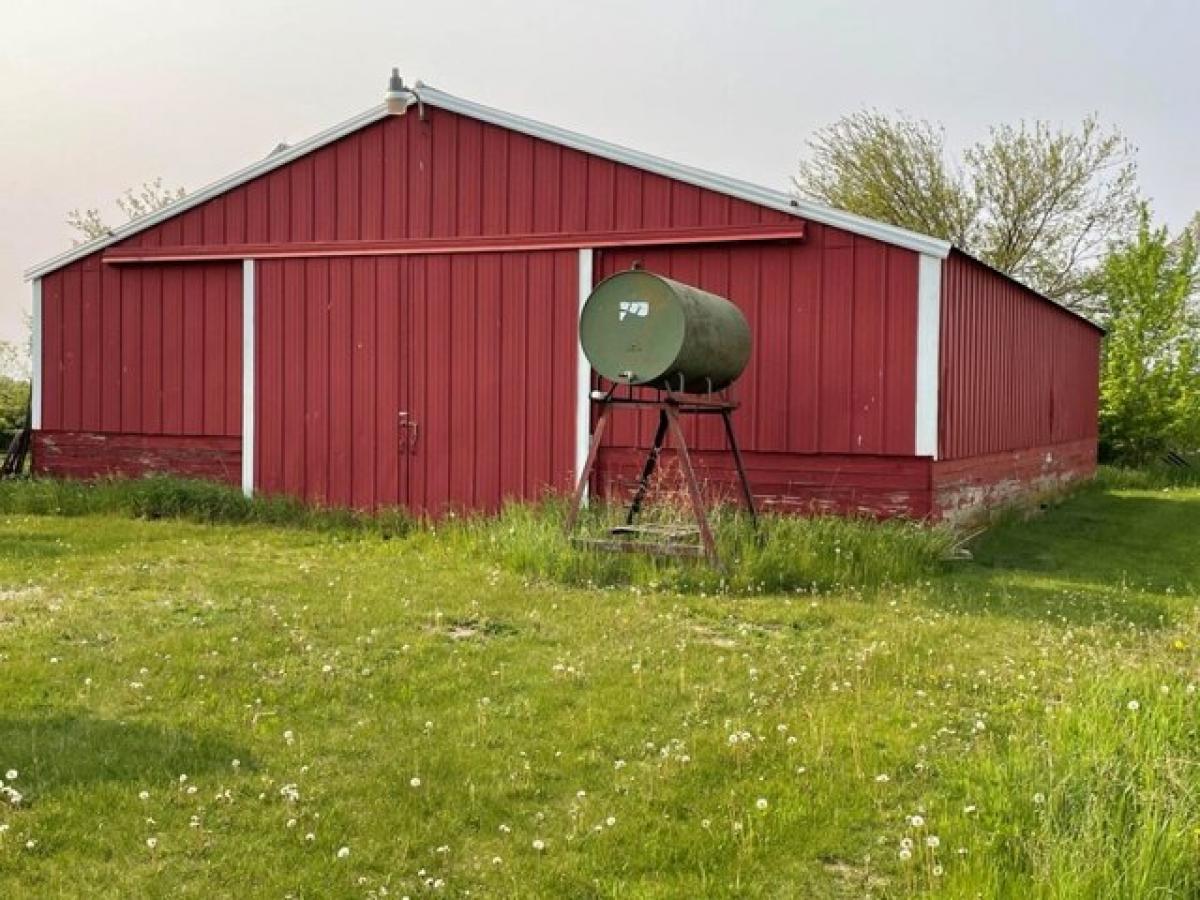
(398, 96)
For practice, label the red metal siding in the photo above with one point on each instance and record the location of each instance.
(1016, 371)
(833, 319)
(151, 350)
(477, 349)
(449, 176)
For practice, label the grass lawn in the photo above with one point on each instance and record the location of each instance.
(246, 710)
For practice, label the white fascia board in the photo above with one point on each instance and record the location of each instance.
(262, 167)
(249, 307)
(929, 340)
(723, 184)
(583, 373)
(35, 406)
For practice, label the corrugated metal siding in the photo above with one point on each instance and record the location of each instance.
(152, 350)
(478, 349)
(481, 348)
(1016, 372)
(447, 177)
(833, 368)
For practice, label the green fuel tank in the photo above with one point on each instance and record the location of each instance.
(640, 328)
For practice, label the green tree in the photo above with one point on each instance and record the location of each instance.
(1150, 374)
(134, 203)
(1039, 203)
(14, 390)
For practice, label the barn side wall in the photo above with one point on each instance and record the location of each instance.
(149, 354)
(1018, 394)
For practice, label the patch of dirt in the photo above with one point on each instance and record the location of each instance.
(856, 880)
(706, 635)
(466, 629)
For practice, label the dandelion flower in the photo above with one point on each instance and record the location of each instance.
(761, 803)
(414, 782)
(496, 861)
(1039, 798)
(938, 871)
(882, 778)
(151, 842)
(1133, 706)
(11, 775)
(343, 852)
(610, 821)
(143, 795)
(918, 821)
(905, 854)
(933, 842)
(539, 845)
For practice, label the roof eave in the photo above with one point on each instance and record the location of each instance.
(209, 192)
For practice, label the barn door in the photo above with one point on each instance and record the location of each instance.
(491, 345)
(332, 376)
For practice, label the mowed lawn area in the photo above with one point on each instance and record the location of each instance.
(250, 711)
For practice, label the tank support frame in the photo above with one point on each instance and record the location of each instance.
(670, 407)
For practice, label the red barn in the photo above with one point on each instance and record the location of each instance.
(385, 315)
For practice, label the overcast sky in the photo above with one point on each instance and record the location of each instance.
(99, 96)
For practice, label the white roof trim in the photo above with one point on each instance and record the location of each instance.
(712, 181)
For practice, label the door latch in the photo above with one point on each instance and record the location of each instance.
(409, 430)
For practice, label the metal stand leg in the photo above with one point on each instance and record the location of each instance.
(747, 496)
(593, 451)
(643, 487)
(706, 535)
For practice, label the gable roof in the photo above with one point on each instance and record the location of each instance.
(430, 96)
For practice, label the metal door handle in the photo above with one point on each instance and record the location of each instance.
(411, 430)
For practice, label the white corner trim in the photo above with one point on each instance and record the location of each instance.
(35, 376)
(929, 338)
(249, 305)
(583, 372)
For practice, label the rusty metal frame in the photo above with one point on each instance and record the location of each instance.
(670, 406)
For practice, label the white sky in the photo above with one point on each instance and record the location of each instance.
(99, 96)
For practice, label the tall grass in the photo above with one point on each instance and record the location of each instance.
(160, 497)
(1150, 478)
(1100, 801)
(785, 554)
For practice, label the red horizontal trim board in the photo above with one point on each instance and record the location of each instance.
(845, 484)
(964, 488)
(497, 244)
(94, 454)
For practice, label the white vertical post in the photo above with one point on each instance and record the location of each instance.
(248, 309)
(583, 375)
(36, 361)
(929, 337)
